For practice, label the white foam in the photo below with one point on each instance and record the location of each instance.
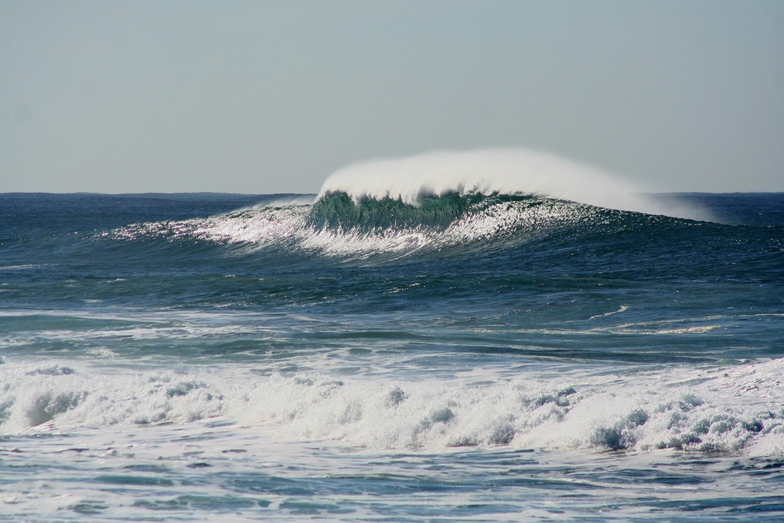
(622, 308)
(498, 170)
(732, 409)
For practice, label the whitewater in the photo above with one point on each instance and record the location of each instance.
(488, 335)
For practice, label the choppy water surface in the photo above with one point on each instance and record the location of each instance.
(465, 356)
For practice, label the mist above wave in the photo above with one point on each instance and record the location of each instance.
(507, 171)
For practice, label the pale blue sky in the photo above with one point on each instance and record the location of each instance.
(263, 97)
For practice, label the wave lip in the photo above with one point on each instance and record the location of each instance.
(506, 171)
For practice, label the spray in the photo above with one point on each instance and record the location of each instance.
(507, 171)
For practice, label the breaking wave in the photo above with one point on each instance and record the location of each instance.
(700, 410)
(512, 172)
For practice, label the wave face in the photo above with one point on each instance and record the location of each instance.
(390, 355)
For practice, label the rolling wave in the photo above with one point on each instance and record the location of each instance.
(337, 226)
(445, 202)
(530, 233)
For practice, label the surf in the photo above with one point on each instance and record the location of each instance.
(701, 410)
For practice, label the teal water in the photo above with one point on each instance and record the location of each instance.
(471, 358)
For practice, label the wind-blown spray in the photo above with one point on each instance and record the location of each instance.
(505, 171)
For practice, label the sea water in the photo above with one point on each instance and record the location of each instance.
(392, 350)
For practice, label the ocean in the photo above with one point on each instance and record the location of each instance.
(455, 354)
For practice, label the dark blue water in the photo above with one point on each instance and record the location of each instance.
(473, 357)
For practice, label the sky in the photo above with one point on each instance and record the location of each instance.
(271, 97)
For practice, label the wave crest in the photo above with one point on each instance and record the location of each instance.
(513, 172)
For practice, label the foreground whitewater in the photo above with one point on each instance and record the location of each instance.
(461, 352)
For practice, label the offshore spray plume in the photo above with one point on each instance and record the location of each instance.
(508, 171)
